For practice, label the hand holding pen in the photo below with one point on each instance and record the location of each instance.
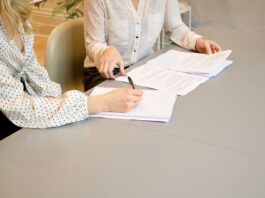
(131, 82)
(131, 97)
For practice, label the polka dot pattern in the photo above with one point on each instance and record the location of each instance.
(27, 95)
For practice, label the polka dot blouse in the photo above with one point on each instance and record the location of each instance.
(28, 97)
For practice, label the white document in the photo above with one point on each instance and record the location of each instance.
(218, 69)
(163, 79)
(155, 106)
(195, 63)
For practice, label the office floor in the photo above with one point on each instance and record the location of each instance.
(40, 47)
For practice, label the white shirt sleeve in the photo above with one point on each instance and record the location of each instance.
(178, 32)
(95, 39)
(29, 111)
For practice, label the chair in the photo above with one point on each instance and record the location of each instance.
(65, 54)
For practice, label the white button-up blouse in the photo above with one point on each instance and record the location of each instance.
(133, 33)
(27, 96)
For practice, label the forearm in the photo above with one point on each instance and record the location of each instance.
(182, 36)
(44, 112)
(178, 32)
(94, 25)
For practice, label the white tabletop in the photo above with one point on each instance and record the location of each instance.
(214, 145)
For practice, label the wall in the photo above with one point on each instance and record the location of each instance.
(42, 19)
(241, 14)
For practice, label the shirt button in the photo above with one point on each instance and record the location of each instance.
(134, 50)
(137, 37)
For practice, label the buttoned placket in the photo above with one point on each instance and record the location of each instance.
(136, 40)
(137, 29)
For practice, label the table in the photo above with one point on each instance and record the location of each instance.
(214, 146)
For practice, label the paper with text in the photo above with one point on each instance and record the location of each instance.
(195, 63)
(163, 79)
(155, 106)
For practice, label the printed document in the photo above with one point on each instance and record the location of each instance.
(164, 80)
(195, 63)
(155, 106)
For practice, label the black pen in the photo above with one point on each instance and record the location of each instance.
(131, 82)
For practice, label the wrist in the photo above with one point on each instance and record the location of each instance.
(109, 48)
(97, 104)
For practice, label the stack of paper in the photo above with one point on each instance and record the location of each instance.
(194, 63)
(179, 72)
(155, 106)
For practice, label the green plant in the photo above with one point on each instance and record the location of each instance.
(70, 8)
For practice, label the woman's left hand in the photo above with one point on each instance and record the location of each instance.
(207, 46)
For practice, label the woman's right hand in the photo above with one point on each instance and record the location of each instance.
(108, 61)
(119, 100)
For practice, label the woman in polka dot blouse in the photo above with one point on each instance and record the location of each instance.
(28, 98)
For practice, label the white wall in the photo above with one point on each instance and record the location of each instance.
(243, 14)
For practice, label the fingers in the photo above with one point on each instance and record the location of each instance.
(111, 66)
(101, 68)
(105, 69)
(203, 46)
(122, 99)
(110, 69)
(109, 59)
(133, 99)
(207, 47)
(121, 66)
(105, 73)
(137, 92)
(133, 95)
(110, 73)
(215, 47)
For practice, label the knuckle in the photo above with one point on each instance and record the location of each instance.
(127, 91)
(127, 98)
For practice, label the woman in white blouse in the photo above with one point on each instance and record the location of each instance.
(118, 33)
(28, 97)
